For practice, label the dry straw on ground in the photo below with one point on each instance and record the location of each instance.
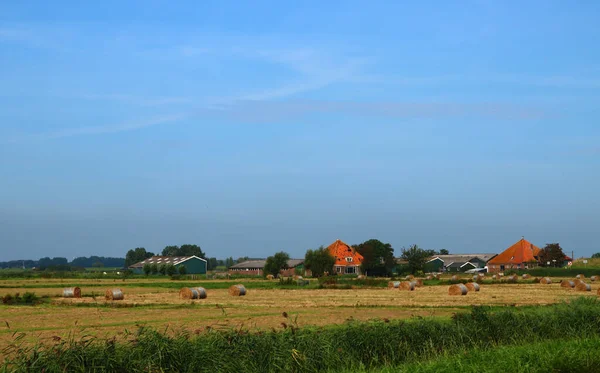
(577, 282)
(546, 280)
(393, 284)
(567, 284)
(458, 289)
(237, 290)
(472, 286)
(72, 292)
(193, 293)
(582, 286)
(114, 294)
(408, 285)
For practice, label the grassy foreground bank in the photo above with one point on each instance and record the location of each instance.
(354, 346)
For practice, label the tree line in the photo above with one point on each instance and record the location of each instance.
(61, 263)
(140, 254)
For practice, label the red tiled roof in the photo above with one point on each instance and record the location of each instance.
(340, 251)
(521, 252)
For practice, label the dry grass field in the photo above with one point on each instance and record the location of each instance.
(161, 308)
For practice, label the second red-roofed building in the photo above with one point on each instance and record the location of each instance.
(347, 259)
(521, 255)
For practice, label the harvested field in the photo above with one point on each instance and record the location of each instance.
(260, 308)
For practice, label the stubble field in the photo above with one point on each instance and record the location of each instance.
(161, 308)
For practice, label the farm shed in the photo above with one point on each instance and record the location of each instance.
(439, 262)
(193, 265)
(255, 267)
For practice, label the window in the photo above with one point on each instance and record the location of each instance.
(338, 269)
(349, 259)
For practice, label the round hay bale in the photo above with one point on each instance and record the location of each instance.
(429, 277)
(393, 284)
(458, 289)
(418, 283)
(582, 286)
(409, 277)
(472, 286)
(237, 290)
(494, 277)
(598, 291)
(438, 276)
(72, 292)
(454, 278)
(360, 277)
(580, 276)
(193, 293)
(567, 284)
(577, 281)
(594, 278)
(114, 294)
(526, 276)
(270, 277)
(407, 285)
(546, 280)
(475, 278)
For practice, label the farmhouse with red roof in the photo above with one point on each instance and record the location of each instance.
(521, 255)
(347, 259)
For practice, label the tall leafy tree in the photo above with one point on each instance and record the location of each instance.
(444, 252)
(137, 255)
(188, 250)
(595, 256)
(276, 263)
(170, 251)
(319, 261)
(378, 257)
(416, 257)
(552, 253)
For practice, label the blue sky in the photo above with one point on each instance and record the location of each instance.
(258, 127)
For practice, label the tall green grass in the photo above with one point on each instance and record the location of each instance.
(353, 346)
(566, 355)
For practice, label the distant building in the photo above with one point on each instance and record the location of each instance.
(457, 262)
(193, 264)
(521, 255)
(256, 267)
(347, 259)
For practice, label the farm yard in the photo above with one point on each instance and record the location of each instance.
(157, 304)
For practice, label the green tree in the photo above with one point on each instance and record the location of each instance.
(552, 253)
(98, 264)
(182, 270)
(137, 255)
(229, 262)
(276, 263)
(212, 263)
(171, 270)
(416, 257)
(189, 250)
(162, 269)
(444, 252)
(171, 251)
(154, 268)
(319, 261)
(595, 256)
(378, 257)
(147, 269)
